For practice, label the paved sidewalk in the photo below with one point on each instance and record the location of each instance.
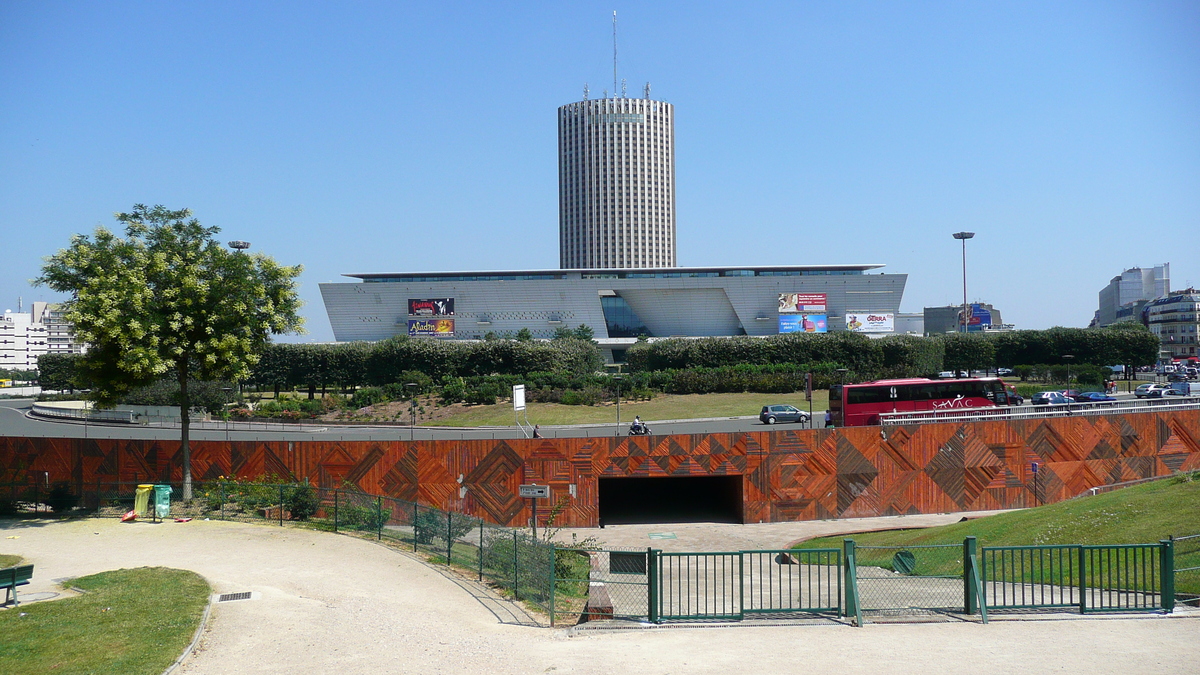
(327, 603)
(732, 537)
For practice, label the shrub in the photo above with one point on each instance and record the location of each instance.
(368, 396)
(302, 503)
(432, 524)
(61, 498)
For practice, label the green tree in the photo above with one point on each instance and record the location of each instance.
(168, 300)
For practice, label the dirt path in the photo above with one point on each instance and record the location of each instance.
(327, 603)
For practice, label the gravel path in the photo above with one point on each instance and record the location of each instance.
(327, 603)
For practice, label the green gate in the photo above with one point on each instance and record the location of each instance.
(729, 585)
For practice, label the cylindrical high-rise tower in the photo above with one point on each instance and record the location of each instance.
(616, 184)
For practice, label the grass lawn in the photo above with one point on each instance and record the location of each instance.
(9, 560)
(661, 407)
(127, 622)
(1140, 514)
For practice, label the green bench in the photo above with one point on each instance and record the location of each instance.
(12, 577)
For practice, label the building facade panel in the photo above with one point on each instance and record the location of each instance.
(678, 301)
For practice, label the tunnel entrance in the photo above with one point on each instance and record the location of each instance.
(671, 499)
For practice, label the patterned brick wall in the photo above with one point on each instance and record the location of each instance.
(786, 474)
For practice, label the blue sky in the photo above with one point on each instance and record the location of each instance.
(388, 137)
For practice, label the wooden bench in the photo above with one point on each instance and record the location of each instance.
(12, 577)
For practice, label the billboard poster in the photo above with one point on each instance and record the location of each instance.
(979, 318)
(431, 327)
(434, 307)
(871, 322)
(803, 323)
(801, 303)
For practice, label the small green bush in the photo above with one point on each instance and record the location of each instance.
(368, 396)
(302, 502)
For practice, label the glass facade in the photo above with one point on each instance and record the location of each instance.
(620, 318)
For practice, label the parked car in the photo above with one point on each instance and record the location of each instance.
(1093, 397)
(1149, 390)
(1070, 393)
(1049, 398)
(1013, 397)
(1178, 377)
(1001, 372)
(782, 413)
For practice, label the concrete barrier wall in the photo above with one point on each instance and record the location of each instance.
(786, 475)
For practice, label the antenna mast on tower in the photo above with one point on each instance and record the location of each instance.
(614, 52)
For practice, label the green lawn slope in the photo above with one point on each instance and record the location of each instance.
(1140, 514)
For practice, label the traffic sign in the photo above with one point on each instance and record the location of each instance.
(534, 491)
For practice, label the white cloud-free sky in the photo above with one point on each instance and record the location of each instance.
(390, 137)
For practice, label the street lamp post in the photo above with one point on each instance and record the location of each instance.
(842, 372)
(1067, 359)
(617, 378)
(963, 237)
(227, 390)
(412, 409)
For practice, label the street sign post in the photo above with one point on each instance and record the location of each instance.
(533, 493)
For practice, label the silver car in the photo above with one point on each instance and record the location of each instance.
(782, 413)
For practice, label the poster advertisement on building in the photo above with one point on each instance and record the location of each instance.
(431, 307)
(803, 323)
(431, 327)
(871, 322)
(801, 303)
(979, 319)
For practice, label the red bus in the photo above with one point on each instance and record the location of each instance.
(855, 405)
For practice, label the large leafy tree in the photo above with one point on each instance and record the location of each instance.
(169, 301)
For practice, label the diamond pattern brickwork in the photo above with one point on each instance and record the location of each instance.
(792, 474)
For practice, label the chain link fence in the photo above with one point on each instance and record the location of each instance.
(926, 579)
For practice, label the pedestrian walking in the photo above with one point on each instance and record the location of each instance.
(828, 418)
(537, 431)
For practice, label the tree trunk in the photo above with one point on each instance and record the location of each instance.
(185, 423)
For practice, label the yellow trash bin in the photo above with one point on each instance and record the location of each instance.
(141, 499)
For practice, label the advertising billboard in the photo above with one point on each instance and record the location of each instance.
(801, 303)
(803, 323)
(431, 327)
(871, 322)
(979, 319)
(434, 307)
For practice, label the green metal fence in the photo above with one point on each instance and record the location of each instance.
(1030, 577)
(1186, 558)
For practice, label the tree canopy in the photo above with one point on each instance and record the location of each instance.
(169, 300)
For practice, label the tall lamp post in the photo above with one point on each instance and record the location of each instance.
(963, 237)
(1067, 359)
(412, 409)
(617, 378)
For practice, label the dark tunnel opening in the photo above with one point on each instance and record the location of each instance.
(671, 499)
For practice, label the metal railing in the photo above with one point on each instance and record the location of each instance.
(1032, 412)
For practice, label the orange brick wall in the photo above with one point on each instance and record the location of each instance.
(787, 474)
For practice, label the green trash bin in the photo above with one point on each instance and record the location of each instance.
(141, 499)
(162, 501)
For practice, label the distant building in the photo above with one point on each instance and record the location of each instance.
(24, 336)
(910, 323)
(1125, 296)
(616, 183)
(948, 319)
(1175, 319)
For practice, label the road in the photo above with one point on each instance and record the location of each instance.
(15, 422)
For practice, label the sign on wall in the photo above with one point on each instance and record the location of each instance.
(518, 397)
(801, 303)
(433, 307)
(431, 327)
(871, 322)
(803, 323)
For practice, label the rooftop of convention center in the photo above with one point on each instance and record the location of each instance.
(631, 273)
